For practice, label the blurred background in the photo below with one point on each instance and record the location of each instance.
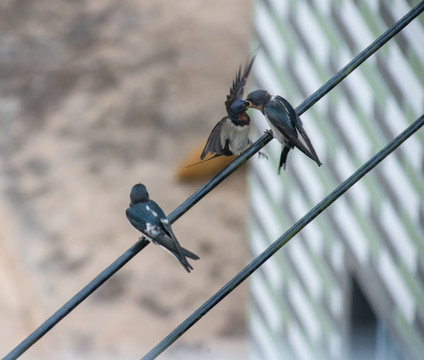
(351, 284)
(97, 96)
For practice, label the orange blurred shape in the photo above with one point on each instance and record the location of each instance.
(205, 170)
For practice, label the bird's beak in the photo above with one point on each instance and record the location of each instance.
(253, 106)
(247, 103)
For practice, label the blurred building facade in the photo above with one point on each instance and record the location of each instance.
(351, 284)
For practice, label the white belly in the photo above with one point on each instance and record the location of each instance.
(238, 137)
(277, 133)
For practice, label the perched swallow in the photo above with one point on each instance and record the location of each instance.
(230, 136)
(146, 216)
(284, 122)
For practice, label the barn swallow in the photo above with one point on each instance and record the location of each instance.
(146, 216)
(284, 122)
(230, 136)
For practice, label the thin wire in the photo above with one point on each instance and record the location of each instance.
(77, 299)
(281, 241)
(204, 190)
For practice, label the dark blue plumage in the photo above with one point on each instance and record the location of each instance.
(146, 216)
(284, 122)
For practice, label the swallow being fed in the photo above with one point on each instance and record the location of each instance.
(230, 136)
(146, 216)
(285, 124)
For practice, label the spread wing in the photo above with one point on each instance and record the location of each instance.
(213, 144)
(236, 90)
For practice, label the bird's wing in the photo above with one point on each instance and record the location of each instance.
(213, 144)
(308, 143)
(282, 119)
(145, 217)
(136, 220)
(169, 239)
(162, 222)
(155, 211)
(166, 226)
(299, 126)
(288, 109)
(236, 90)
(152, 222)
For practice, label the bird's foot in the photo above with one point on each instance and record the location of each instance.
(269, 131)
(262, 155)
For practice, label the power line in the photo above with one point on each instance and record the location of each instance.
(211, 184)
(281, 241)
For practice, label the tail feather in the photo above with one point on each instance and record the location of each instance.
(302, 148)
(176, 250)
(185, 264)
(313, 155)
(308, 153)
(189, 254)
(283, 158)
(182, 258)
(202, 161)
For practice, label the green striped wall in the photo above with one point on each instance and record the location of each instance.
(300, 298)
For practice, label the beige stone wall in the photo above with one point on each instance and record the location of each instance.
(95, 97)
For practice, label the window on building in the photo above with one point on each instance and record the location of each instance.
(369, 338)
